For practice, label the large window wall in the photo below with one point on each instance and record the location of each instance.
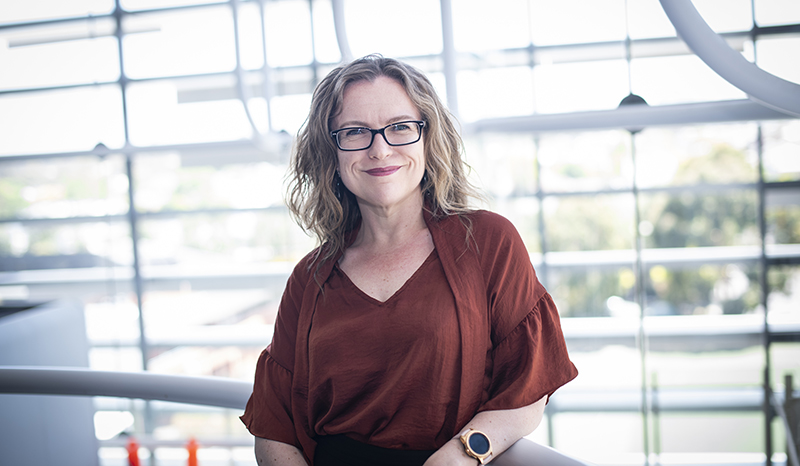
(143, 148)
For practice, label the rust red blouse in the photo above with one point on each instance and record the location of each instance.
(471, 330)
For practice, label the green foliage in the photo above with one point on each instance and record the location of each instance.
(694, 219)
(724, 164)
(584, 224)
(584, 293)
(11, 196)
(688, 219)
(784, 224)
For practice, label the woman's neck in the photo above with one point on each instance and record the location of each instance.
(389, 228)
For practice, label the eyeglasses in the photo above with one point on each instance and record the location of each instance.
(401, 133)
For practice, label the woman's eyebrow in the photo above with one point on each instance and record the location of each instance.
(358, 123)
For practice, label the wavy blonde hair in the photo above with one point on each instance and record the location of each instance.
(313, 184)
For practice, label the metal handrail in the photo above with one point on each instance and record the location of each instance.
(791, 447)
(209, 391)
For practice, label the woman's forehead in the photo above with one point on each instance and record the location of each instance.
(371, 102)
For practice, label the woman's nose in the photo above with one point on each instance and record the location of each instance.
(380, 149)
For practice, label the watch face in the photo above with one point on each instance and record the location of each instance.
(479, 443)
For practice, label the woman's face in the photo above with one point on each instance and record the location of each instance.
(380, 176)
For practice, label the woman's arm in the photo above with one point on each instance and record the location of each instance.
(503, 427)
(271, 452)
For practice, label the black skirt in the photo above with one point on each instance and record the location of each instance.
(340, 450)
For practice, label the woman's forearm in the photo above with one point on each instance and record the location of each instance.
(503, 427)
(271, 452)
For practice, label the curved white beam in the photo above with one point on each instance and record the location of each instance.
(630, 116)
(759, 85)
(341, 30)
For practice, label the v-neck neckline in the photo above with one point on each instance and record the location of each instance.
(373, 300)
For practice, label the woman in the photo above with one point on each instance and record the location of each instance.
(417, 333)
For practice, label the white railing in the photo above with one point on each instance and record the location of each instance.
(209, 391)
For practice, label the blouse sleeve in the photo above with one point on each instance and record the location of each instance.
(531, 362)
(268, 412)
(528, 357)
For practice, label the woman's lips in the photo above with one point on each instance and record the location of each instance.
(383, 171)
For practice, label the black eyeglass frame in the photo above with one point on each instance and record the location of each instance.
(335, 137)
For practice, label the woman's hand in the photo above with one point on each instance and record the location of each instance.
(451, 454)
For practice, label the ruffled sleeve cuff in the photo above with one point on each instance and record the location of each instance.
(531, 362)
(268, 413)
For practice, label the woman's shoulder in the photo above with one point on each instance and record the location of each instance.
(486, 224)
(305, 267)
(486, 230)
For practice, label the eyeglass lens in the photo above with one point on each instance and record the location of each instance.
(396, 134)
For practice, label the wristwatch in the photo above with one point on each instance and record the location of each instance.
(477, 445)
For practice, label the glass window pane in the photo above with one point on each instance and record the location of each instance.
(781, 145)
(784, 358)
(608, 217)
(654, 80)
(784, 293)
(618, 442)
(112, 327)
(64, 246)
(33, 10)
(576, 21)
(251, 41)
(726, 15)
(702, 289)
(480, 97)
(574, 87)
(776, 12)
(370, 31)
(775, 56)
(73, 187)
(77, 52)
(648, 20)
(117, 358)
(684, 433)
(696, 219)
(711, 154)
(179, 43)
(288, 22)
(71, 120)
(326, 46)
(174, 181)
(504, 165)
(783, 216)
(157, 116)
(289, 112)
(593, 292)
(480, 25)
(585, 161)
(208, 242)
(207, 321)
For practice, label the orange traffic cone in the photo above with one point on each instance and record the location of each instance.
(191, 447)
(133, 452)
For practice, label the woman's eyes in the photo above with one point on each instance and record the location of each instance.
(400, 127)
(353, 132)
(395, 128)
